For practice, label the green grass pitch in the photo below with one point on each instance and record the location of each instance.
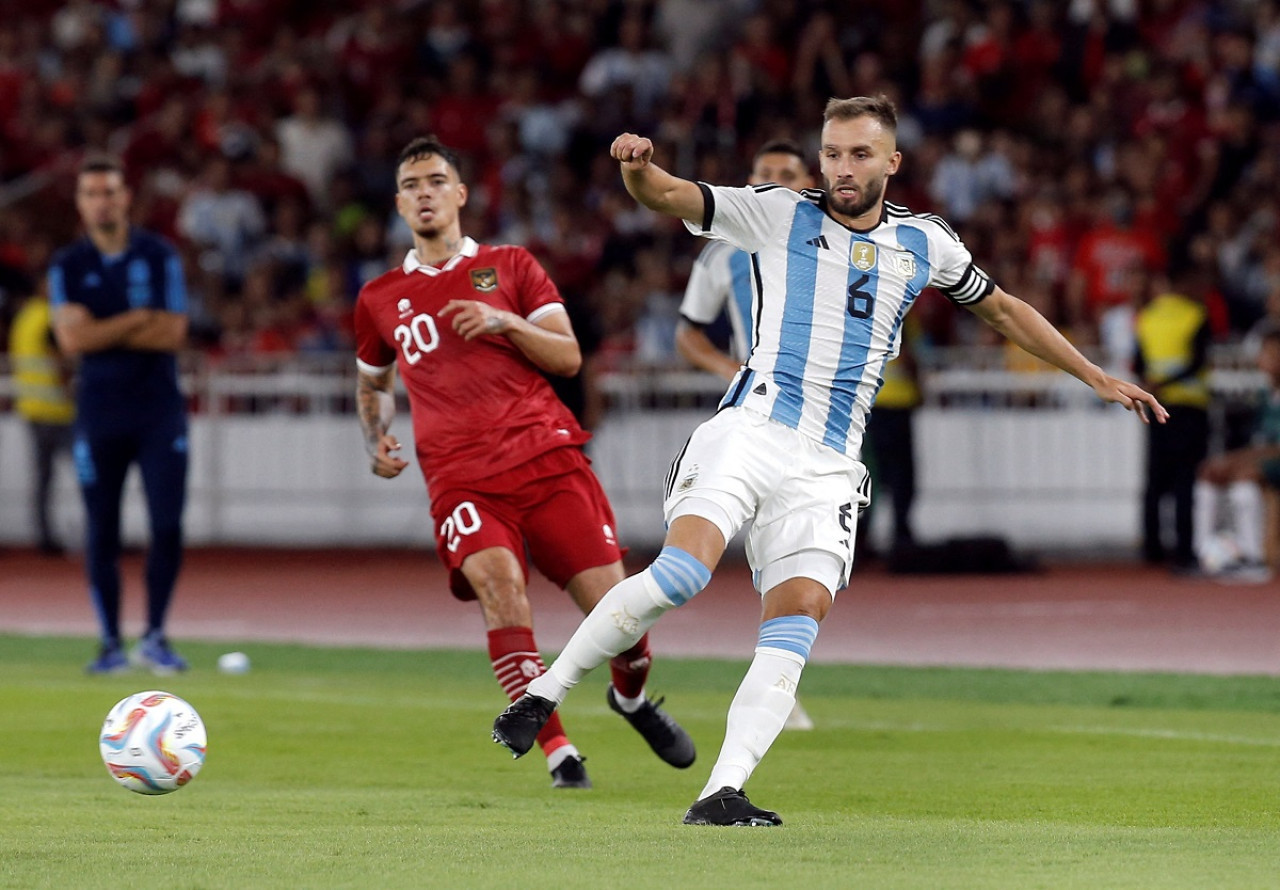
(370, 768)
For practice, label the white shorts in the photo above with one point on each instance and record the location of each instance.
(801, 497)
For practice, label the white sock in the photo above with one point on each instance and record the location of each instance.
(559, 755)
(628, 705)
(1248, 518)
(1204, 517)
(756, 716)
(616, 624)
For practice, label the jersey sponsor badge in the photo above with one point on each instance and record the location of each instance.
(484, 280)
(863, 255)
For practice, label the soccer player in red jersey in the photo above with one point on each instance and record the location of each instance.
(470, 326)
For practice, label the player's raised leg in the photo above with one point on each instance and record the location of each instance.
(616, 624)
(629, 670)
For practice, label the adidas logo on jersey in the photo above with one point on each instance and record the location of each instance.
(760, 390)
(820, 241)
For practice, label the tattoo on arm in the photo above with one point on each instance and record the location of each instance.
(375, 405)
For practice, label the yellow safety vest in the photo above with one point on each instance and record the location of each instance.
(899, 388)
(1166, 330)
(37, 373)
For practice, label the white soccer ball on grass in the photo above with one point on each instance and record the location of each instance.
(153, 742)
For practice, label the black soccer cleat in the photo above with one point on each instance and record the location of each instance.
(666, 737)
(729, 806)
(517, 728)
(571, 773)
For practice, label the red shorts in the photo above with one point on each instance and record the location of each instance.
(550, 510)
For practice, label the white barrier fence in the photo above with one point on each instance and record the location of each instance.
(277, 459)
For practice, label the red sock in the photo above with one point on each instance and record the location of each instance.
(516, 661)
(631, 669)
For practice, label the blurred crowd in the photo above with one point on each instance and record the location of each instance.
(1089, 152)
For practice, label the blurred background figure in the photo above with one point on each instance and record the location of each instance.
(891, 439)
(1232, 483)
(1112, 268)
(119, 306)
(720, 283)
(41, 379)
(1172, 359)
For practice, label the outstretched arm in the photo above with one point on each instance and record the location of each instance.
(376, 405)
(1032, 331)
(652, 186)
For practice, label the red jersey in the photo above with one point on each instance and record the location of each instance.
(478, 408)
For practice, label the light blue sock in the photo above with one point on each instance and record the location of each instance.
(764, 699)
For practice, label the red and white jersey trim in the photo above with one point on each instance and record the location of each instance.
(412, 264)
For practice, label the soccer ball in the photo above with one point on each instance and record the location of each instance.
(153, 742)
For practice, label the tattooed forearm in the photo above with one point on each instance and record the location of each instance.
(375, 406)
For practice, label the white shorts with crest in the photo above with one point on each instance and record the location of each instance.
(801, 497)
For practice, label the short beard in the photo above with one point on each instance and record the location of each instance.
(871, 194)
(109, 228)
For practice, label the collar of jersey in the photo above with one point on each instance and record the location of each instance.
(413, 264)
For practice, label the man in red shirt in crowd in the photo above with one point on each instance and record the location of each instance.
(1113, 265)
(470, 327)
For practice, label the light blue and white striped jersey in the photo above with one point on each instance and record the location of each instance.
(721, 282)
(829, 301)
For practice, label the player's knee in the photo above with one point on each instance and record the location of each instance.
(789, 635)
(679, 575)
(503, 602)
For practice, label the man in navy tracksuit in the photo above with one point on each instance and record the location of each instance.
(119, 304)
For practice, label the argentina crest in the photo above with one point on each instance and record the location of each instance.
(863, 255)
(484, 280)
(905, 263)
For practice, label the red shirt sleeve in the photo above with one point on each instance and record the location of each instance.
(370, 347)
(536, 287)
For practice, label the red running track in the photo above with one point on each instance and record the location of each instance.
(1074, 617)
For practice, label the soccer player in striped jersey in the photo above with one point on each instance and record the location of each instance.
(835, 272)
(721, 278)
(721, 283)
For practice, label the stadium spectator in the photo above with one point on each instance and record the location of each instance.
(971, 175)
(225, 223)
(632, 73)
(1112, 267)
(469, 327)
(119, 299)
(782, 451)
(313, 146)
(1174, 104)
